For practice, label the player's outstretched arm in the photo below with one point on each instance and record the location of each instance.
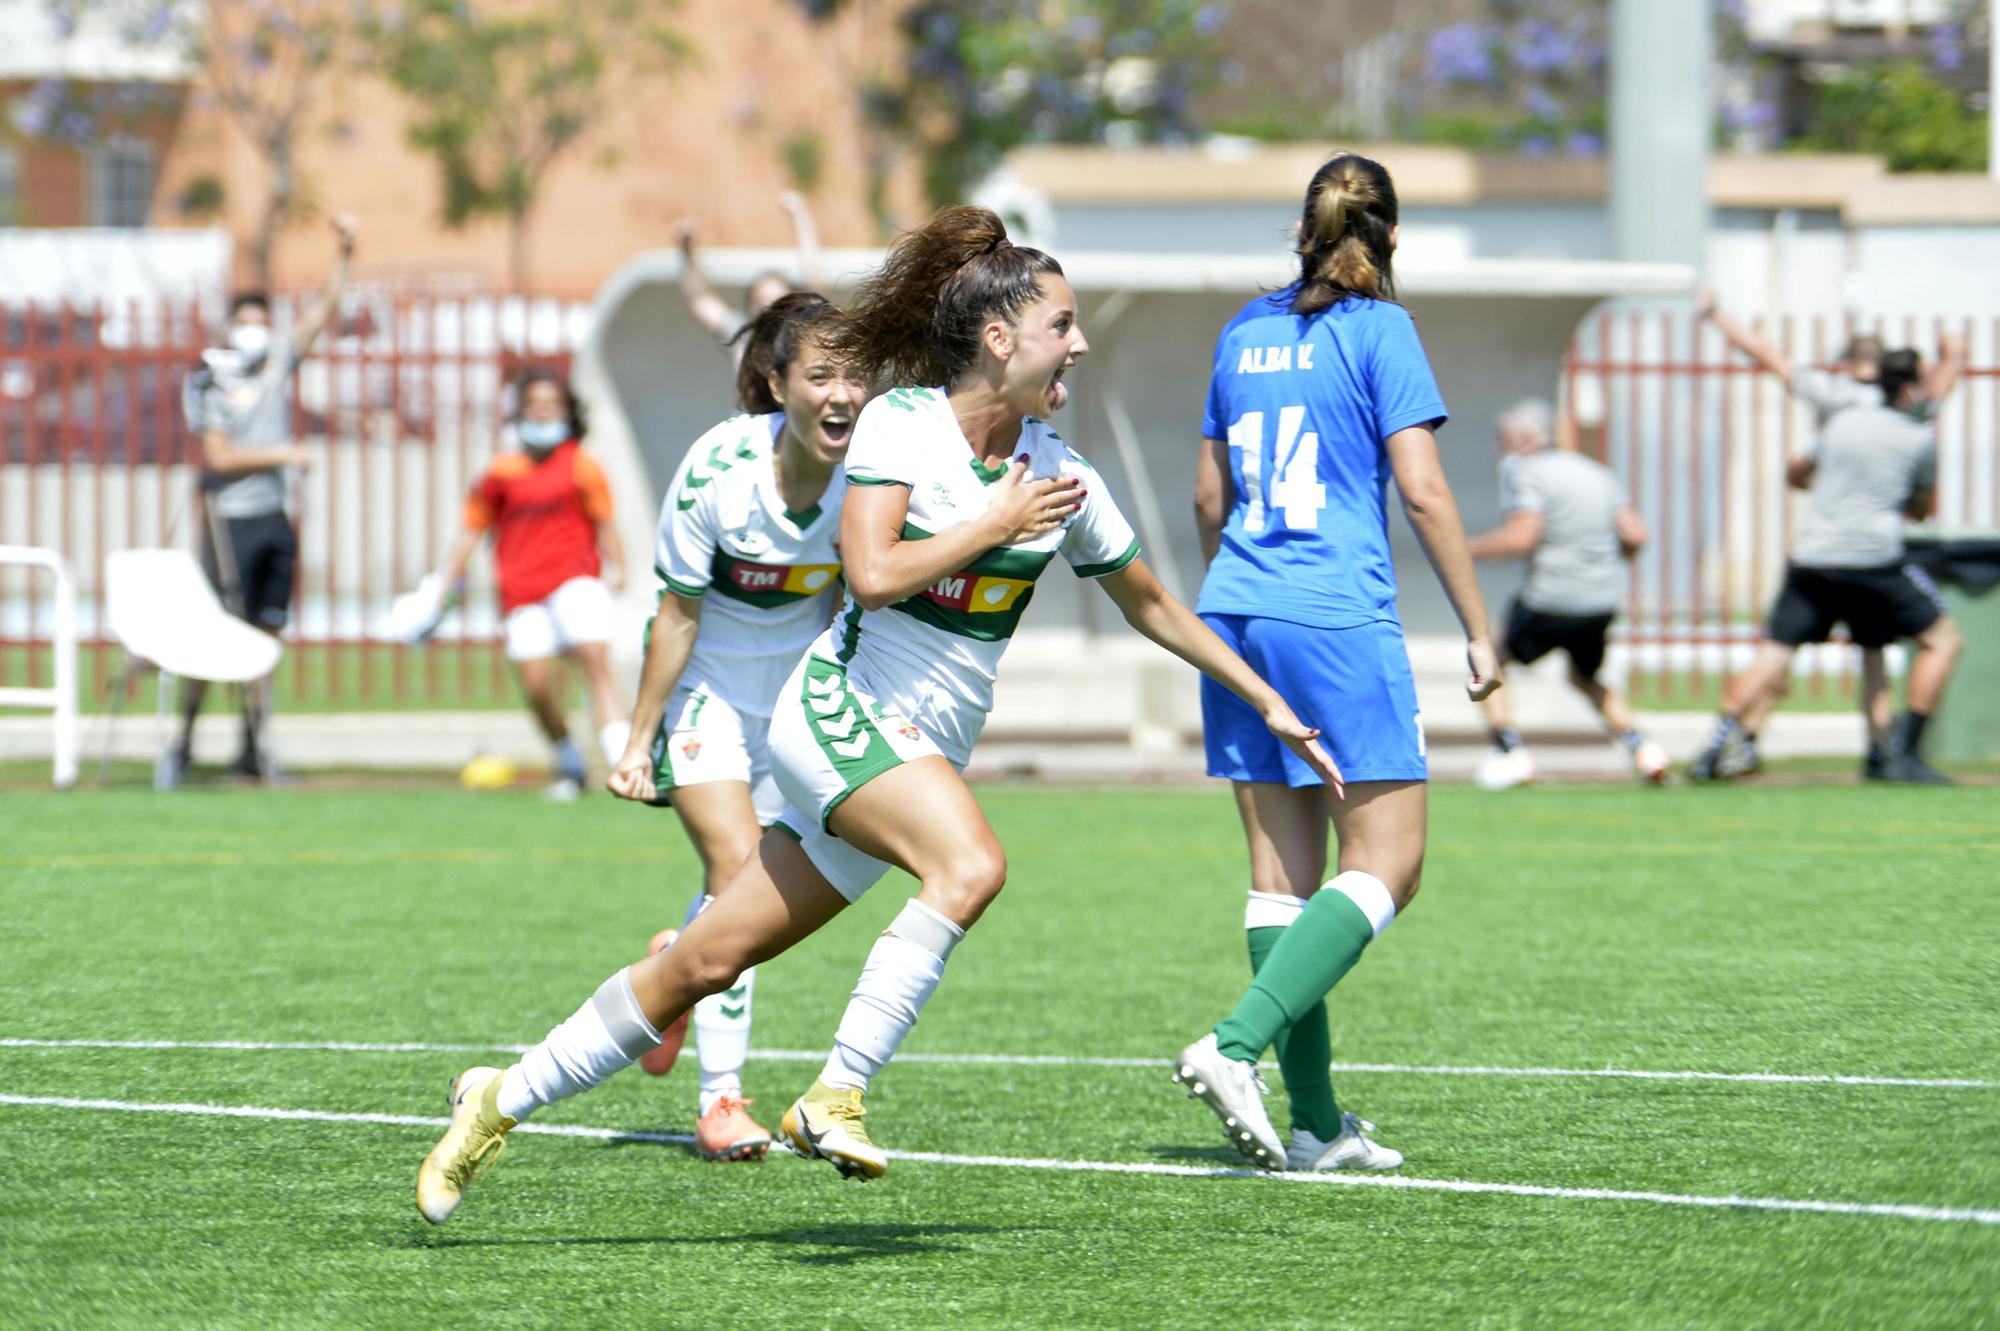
(1945, 373)
(806, 234)
(709, 310)
(1631, 531)
(324, 310)
(1768, 357)
(1433, 515)
(1153, 611)
(675, 628)
(882, 568)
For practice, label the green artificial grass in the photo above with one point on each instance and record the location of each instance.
(1792, 930)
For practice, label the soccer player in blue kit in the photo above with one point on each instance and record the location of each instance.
(1320, 393)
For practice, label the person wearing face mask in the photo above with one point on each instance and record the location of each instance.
(549, 509)
(959, 496)
(749, 576)
(238, 404)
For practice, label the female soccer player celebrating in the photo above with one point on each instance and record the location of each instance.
(959, 495)
(751, 517)
(1319, 394)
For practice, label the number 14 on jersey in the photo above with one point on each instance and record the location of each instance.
(1297, 494)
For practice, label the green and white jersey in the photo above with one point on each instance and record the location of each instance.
(725, 529)
(934, 656)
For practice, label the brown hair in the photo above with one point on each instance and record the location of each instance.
(1344, 230)
(579, 424)
(1900, 369)
(772, 340)
(918, 320)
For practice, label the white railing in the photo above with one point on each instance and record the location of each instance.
(61, 698)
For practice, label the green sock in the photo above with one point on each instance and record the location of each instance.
(1319, 947)
(1304, 1051)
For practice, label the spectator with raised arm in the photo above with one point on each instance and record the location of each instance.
(714, 313)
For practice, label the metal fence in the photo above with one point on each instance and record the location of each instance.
(404, 404)
(1700, 436)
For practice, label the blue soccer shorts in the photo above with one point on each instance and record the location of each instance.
(1354, 684)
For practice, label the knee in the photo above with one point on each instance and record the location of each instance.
(1944, 636)
(966, 887)
(709, 968)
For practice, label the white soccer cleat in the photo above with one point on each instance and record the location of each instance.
(563, 790)
(1649, 760)
(1235, 1092)
(1503, 771)
(1352, 1149)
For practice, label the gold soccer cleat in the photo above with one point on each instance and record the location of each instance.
(825, 1124)
(469, 1146)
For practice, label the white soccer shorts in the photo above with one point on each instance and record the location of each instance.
(829, 737)
(579, 611)
(702, 738)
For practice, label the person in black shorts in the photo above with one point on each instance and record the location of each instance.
(1873, 467)
(238, 403)
(1567, 516)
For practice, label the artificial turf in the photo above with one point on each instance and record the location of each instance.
(1793, 930)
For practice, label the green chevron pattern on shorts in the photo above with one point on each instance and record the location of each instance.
(843, 729)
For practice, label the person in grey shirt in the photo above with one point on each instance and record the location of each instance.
(1568, 517)
(238, 403)
(1854, 514)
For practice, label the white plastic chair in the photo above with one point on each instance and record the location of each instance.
(161, 608)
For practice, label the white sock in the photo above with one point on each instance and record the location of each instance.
(1268, 910)
(722, 1029)
(903, 971)
(1370, 894)
(612, 740)
(604, 1035)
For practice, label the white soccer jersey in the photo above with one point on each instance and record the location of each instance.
(724, 528)
(934, 655)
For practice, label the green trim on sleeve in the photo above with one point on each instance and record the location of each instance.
(683, 589)
(1102, 570)
(873, 480)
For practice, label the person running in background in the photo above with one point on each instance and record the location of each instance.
(548, 507)
(1853, 381)
(959, 496)
(714, 313)
(238, 404)
(1318, 395)
(749, 574)
(1568, 517)
(1872, 467)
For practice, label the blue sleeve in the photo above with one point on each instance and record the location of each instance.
(1399, 375)
(1215, 418)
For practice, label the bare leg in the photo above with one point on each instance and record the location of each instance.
(1286, 831)
(1381, 826)
(1938, 648)
(538, 686)
(606, 703)
(722, 823)
(1878, 703)
(1610, 705)
(922, 816)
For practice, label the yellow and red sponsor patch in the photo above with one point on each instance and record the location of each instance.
(793, 579)
(976, 593)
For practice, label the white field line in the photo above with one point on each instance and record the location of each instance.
(1042, 1061)
(1892, 1210)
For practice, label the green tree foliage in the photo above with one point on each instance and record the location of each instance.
(498, 98)
(1902, 113)
(984, 76)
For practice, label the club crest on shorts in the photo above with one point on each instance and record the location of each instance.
(690, 749)
(909, 732)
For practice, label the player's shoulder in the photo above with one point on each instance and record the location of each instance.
(509, 466)
(1048, 453)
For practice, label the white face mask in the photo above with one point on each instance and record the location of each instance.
(251, 341)
(541, 434)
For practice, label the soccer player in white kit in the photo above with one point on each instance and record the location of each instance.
(749, 573)
(959, 495)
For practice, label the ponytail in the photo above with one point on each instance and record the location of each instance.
(772, 340)
(1343, 249)
(918, 320)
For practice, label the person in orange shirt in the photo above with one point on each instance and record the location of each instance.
(549, 510)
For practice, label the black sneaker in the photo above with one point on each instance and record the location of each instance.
(1875, 767)
(1909, 769)
(1704, 765)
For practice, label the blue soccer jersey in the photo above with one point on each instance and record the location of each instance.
(1305, 405)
